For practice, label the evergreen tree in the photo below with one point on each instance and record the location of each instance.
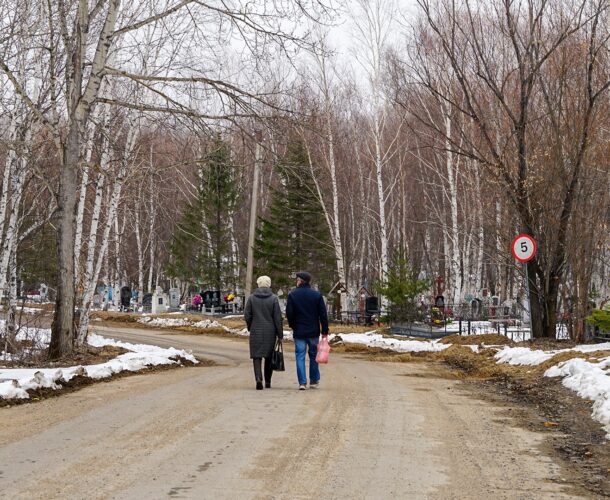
(201, 245)
(601, 319)
(401, 288)
(294, 234)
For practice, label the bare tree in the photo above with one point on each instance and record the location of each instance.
(79, 40)
(504, 55)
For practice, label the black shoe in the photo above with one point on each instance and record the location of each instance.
(267, 385)
(259, 385)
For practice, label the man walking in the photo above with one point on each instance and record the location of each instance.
(307, 316)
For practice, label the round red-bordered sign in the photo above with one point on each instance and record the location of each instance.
(524, 248)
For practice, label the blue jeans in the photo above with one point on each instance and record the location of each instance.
(300, 346)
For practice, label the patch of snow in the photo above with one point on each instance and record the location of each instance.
(207, 323)
(590, 381)
(523, 356)
(527, 356)
(165, 322)
(373, 339)
(15, 382)
(27, 310)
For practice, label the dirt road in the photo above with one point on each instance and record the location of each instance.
(372, 431)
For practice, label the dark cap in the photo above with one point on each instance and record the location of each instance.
(304, 275)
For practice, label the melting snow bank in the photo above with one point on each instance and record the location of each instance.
(589, 380)
(526, 356)
(14, 383)
(373, 339)
(165, 322)
(203, 325)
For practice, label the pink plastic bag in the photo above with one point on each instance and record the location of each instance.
(323, 350)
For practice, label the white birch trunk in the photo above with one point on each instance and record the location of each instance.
(234, 251)
(92, 240)
(327, 216)
(11, 327)
(80, 211)
(18, 175)
(116, 285)
(80, 214)
(140, 256)
(336, 227)
(151, 241)
(446, 253)
(6, 180)
(478, 280)
(92, 282)
(332, 220)
(383, 234)
(455, 257)
(499, 249)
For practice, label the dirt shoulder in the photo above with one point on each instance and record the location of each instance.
(538, 403)
(572, 437)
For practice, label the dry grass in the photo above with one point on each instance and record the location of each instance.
(359, 349)
(487, 339)
(233, 323)
(351, 328)
(84, 355)
(478, 365)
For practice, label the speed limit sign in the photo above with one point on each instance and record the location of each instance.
(524, 248)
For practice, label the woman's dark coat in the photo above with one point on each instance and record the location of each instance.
(264, 319)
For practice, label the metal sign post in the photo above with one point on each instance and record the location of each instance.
(524, 250)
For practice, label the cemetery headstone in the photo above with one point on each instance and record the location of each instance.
(174, 298)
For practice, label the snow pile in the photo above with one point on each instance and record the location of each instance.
(527, 356)
(590, 381)
(523, 356)
(164, 322)
(175, 322)
(207, 323)
(373, 339)
(26, 310)
(14, 383)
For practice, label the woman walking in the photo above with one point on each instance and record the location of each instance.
(264, 320)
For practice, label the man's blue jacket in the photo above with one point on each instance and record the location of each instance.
(306, 311)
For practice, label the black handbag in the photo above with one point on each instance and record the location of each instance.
(277, 358)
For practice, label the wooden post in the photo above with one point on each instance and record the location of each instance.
(253, 213)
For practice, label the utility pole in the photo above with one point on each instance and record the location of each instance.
(253, 212)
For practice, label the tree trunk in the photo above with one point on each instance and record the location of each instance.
(140, 254)
(452, 174)
(80, 213)
(63, 322)
(92, 282)
(6, 181)
(11, 315)
(151, 235)
(550, 308)
(335, 228)
(536, 320)
(383, 233)
(17, 181)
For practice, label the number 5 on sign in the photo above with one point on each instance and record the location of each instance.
(524, 248)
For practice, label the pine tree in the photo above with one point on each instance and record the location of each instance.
(201, 245)
(294, 235)
(401, 288)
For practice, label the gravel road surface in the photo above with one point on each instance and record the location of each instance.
(372, 431)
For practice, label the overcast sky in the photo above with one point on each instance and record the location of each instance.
(343, 36)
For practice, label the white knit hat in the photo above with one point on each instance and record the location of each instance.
(264, 282)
